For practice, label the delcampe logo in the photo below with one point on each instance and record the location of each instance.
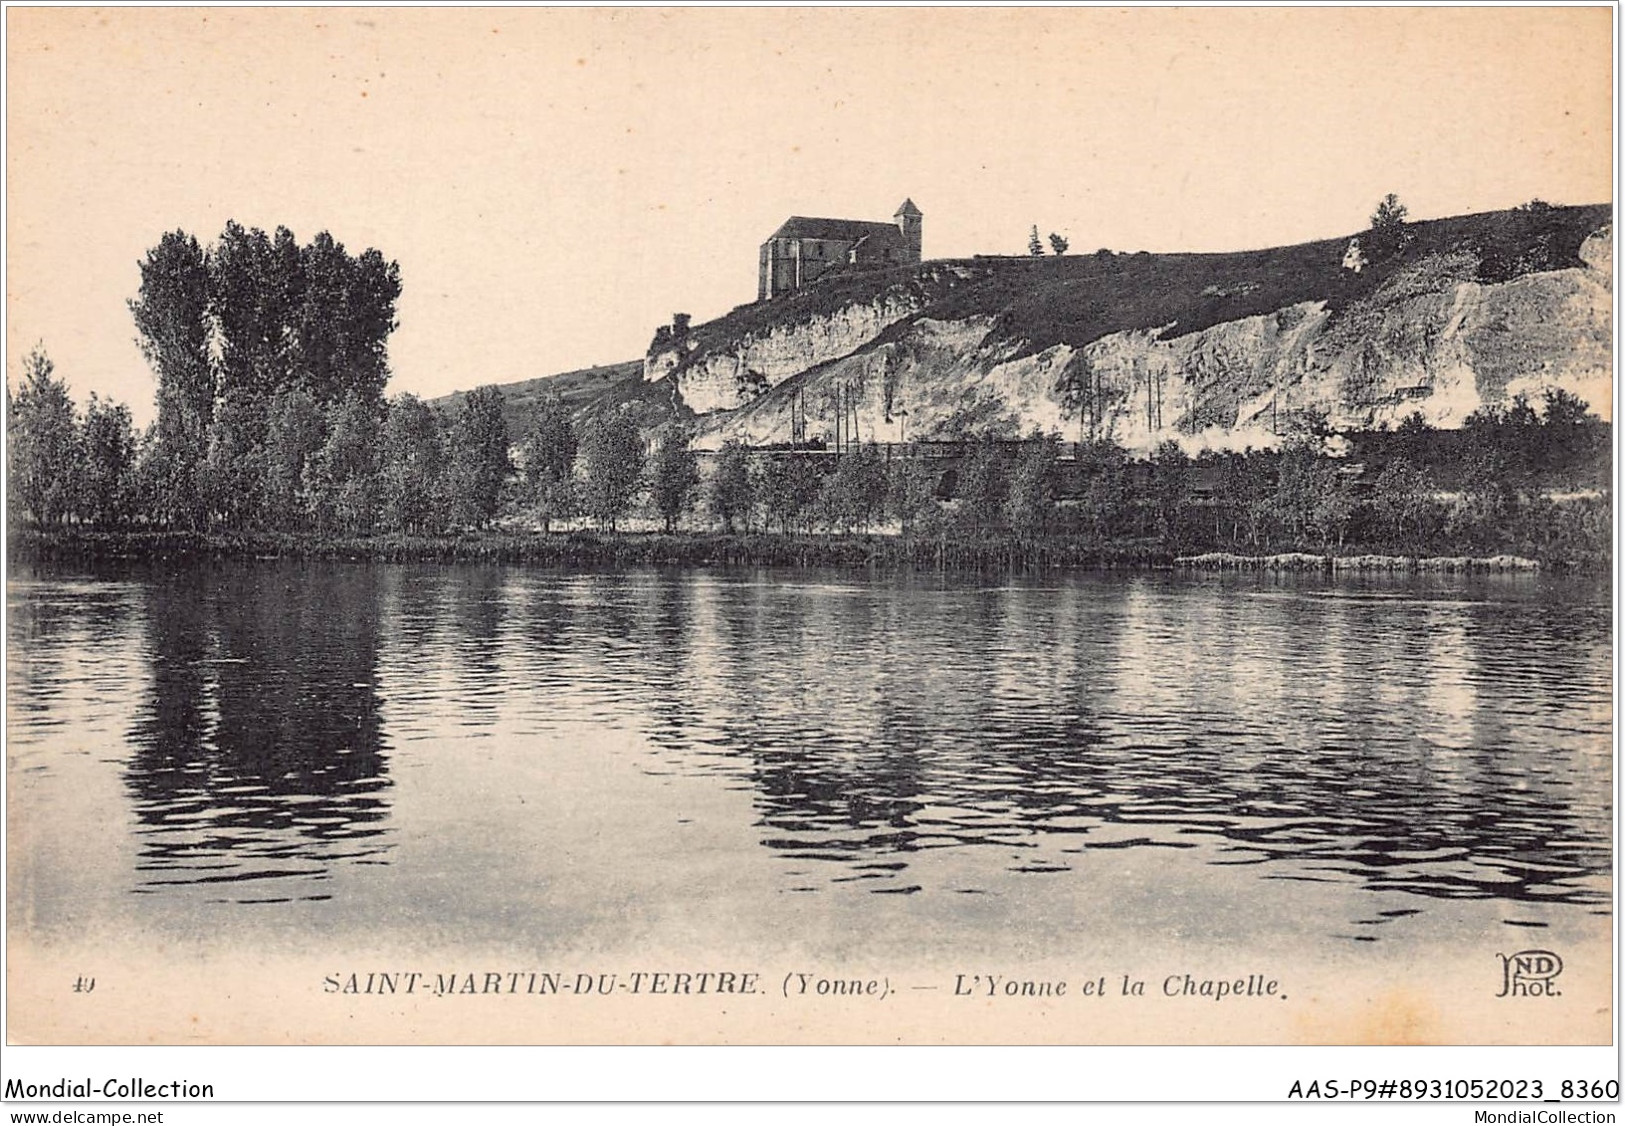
(1530, 973)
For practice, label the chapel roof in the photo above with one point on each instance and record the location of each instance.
(846, 230)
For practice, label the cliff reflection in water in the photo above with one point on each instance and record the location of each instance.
(259, 762)
(1400, 743)
(280, 727)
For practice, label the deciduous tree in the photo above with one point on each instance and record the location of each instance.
(910, 492)
(344, 320)
(1564, 408)
(732, 492)
(231, 478)
(1400, 500)
(256, 290)
(787, 486)
(549, 454)
(1102, 467)
(41, 442)
(854, 496)
(673, 476)
(612, 464)
(106, 460)
(295, 430)
(171, 318)
(1171, 479)
(342, 477)
(1030, 502)
(411, 486)
(981, 486)
(479, 457)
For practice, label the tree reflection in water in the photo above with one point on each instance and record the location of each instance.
(260, 763)
(1317, 737)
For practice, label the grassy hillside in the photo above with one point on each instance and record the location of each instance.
(1040, 302)
(579, 390)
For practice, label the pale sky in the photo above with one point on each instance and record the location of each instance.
(556, 183)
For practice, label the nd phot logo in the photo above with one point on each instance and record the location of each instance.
(1530, 973)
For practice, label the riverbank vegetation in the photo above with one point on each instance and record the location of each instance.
(341, 482)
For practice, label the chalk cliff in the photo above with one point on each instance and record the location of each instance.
(1432, 337)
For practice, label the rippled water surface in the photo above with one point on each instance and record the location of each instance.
(551, 758)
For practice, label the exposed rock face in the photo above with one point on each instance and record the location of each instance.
(1431, 339)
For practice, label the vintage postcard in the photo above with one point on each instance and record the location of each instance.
(810, 526)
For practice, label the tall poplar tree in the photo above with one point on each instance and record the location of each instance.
(171, 315)
(230, 331)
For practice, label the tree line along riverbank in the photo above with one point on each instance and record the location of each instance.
(1527, 483)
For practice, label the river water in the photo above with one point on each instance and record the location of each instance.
(292, 755)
